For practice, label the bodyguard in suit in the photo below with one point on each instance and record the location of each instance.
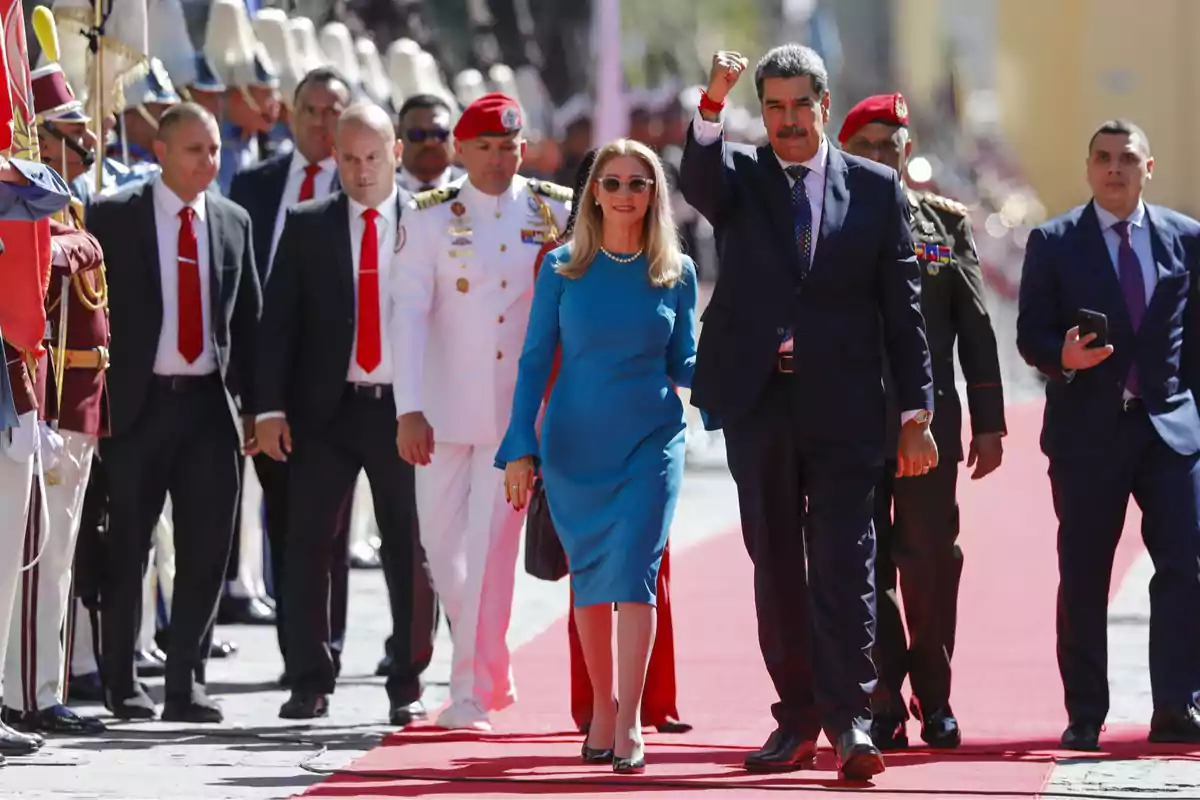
(916, 519)
(817, 267)
(268, 190)
(1120, 421)
(325, 405)
(424, 127)
(184, 300)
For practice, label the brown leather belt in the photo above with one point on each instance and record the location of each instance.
(95, 358)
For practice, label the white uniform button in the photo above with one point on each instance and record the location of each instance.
(503, 247)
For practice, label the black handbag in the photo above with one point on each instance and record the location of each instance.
(544, 555)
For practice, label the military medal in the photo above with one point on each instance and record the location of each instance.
(457, 209)
(532, 236)
(463, 285)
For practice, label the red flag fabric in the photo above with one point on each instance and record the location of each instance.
(25, 262)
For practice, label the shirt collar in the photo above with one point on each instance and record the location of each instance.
(170, 203)
(386, 209)
(514, 191)
(1108, 219)
(413, 183)
(816, 164)
(299, 163)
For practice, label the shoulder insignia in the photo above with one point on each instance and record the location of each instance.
(946, 204)
(435, 197)
(552, 190)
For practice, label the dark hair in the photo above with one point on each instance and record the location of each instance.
(423, 101)
(1118, 127)
(320, 75)
(581, 178)
(178, 114)
(792, 61)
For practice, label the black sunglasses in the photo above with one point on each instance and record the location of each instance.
(637, 185)
(418, 135)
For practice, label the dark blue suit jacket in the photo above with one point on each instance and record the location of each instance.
(864, 285)
(259, 190)
(1068, 268)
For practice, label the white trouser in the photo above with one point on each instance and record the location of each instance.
(471, 536)
(160, 576)
(16, 478)
(33, 669)
(249, 542)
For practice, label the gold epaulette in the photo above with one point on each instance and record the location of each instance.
(552, 190)
(78, 209)
(946, 204)
(435, 197)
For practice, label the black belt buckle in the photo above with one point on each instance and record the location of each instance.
(1132, 404)
(183, 383)
(370, 391)
(784, 363)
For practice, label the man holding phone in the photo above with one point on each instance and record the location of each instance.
(1108, 315)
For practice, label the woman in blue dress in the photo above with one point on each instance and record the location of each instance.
(620, 299)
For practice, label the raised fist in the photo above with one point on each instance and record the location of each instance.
(727, 67)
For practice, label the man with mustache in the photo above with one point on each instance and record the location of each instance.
(817, 267)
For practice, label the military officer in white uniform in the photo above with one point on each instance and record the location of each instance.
(462, 285)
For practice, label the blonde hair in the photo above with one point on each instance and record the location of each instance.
(660, 239)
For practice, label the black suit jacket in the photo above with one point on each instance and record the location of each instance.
(124, 225)
(863, 284)
(306, 336)
(259, 190)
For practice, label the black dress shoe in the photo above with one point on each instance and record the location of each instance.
(385, 667)
(593, 755)
(244, 611)
(783, 752)
(62, 720)
(629, 766)
(889, 732)
(85, 689)
(198, 708)
(939, 729)
(1083, 736)
(302, 705)
(220, 649)
(136, 706)
(406, 713)
(857, 756)
(150, 663)
(11, 717)
(672, 726)
(1173, 726)
(14, 743)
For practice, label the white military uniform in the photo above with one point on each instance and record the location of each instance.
(18, 449)
(462, 285)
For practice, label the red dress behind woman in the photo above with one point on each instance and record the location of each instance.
(658, 700)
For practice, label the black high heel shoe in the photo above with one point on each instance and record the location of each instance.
(628, 766)
(596, 756)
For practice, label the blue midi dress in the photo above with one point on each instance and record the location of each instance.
(612, 439)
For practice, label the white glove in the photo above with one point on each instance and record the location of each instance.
(51, 443)
(21, 442)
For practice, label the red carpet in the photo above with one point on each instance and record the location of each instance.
(1007, 691)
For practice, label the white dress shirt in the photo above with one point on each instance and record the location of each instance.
(707, 133)
(167, 206)
(1139, 238)
(413, 184)
(322, 187)
(385, 230)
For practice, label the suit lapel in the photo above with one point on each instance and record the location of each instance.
(777, 195)
(148, 233)
(835, 204)
(340, 222)
(215, 225)
(273, 197)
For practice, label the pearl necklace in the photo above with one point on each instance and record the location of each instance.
(622, 259)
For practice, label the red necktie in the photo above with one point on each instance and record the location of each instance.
(368, 345)
(308, 189)
(191, 319)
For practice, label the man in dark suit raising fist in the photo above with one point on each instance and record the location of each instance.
(184, 303)
(327, 408)
(817, 267)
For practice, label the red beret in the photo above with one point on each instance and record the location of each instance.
(889, 108)
(493, 114)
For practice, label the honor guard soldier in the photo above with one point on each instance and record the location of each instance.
(916, 518)
(252, 94)
(462, 285)
(146, 100)
(191, 71)
(77, 316)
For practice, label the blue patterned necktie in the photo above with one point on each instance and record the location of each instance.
(802, 213)
(1133, 287)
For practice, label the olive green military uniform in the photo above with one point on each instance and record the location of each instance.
(916, 519)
